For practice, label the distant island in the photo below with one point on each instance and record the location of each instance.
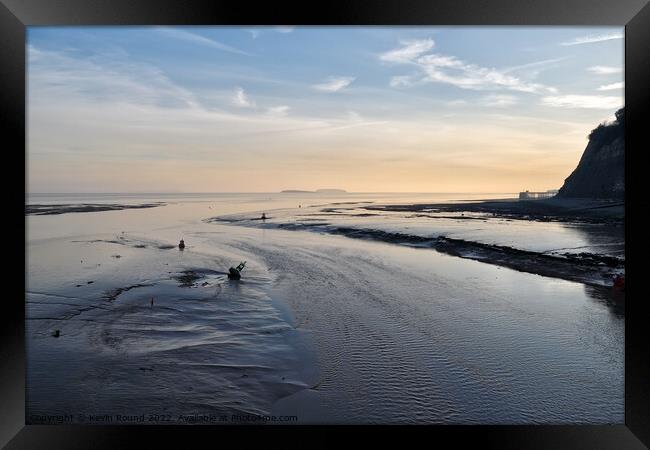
(317, 191)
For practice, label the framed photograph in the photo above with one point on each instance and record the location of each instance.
(418, 215)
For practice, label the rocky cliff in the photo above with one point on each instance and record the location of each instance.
(601, 171)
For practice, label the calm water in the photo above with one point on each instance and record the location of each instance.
(328, 328)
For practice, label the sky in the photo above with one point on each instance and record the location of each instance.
(366, 109)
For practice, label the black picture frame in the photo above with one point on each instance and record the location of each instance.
(15, 15)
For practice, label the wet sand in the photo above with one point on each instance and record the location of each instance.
(553, 209)
(322, 326)
(408, 335)
(157, 333)
(442, 227)
(54, 209)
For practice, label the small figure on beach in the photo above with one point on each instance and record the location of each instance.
(234, 273)
(56, 333)
(619, 282)
(181, 244)
(263, 216)
(151, 302)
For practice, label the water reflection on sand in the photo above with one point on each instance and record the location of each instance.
(325, 327)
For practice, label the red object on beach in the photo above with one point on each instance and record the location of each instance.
(619, 282)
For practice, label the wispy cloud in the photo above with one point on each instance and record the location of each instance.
(354, 116)
(605, 70)
(334, 84)
(256, 32)
(200, 39)
(449, 69)
(105, 120)
(402, 81)
(241, 99)
(594, 38)
(612, 87)
(63, 76)
(90, 112)
(499, 101)
(583, 101)
(536, 66)
(281, 110)
(358, 125)
(409, 51)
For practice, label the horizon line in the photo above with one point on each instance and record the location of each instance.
(290, 191)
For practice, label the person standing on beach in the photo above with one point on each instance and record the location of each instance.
(151, 302)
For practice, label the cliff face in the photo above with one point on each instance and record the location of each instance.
(601, 171)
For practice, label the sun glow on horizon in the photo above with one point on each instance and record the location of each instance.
(226, 109)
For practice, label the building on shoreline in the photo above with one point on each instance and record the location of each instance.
(528, 195)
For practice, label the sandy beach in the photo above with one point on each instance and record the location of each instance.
(581, 210)
(504, 232)
(324, 327)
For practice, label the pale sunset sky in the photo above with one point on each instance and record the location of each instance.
(366, 109)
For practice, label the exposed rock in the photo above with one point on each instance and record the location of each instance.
(601, 171)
